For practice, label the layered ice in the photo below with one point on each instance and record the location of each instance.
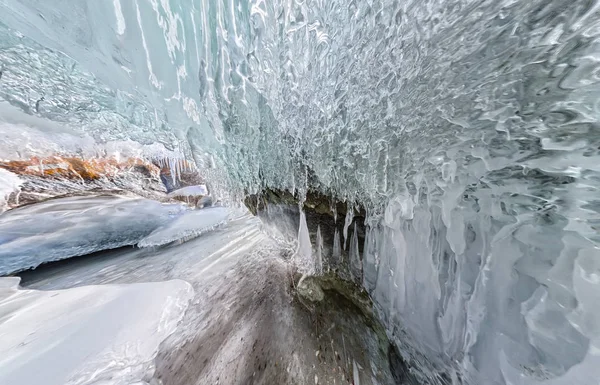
(187, 226)
(190, 191)
(89, 334)
(67, 227)
(468, 130)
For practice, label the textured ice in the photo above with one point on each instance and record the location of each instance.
(89, 334)
(468, 130)
(189, 225)
(67, 227)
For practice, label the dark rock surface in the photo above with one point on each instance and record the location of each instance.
(281, 209)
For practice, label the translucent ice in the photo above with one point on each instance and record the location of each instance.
(336, 248)
(189, 225)
(319, 252)
(67, 227)
(304, 252)
(468, 130)
(354, 256)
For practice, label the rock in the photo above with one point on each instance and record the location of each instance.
(309, 288)
(56, 176)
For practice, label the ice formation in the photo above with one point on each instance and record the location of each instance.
(304, 252)
(67, 227)
(9, 183)
(467, 129)
(319, 252)
(188, 225)
(190, 191)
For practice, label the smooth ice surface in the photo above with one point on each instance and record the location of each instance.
(88, 334)
(468, 130)
(189, 225)
(67, 227)
(190, 191)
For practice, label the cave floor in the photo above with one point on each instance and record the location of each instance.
(245, 324)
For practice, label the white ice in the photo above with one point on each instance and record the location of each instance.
(189, 225)
(9, 183)
(190, 191)
(89, 334)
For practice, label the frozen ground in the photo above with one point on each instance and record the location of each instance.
(84, 335)
(244, 325)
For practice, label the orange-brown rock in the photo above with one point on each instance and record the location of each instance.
(75, 168)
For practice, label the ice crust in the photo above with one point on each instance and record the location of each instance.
(189, 225)
(67, 227)
(468, 130)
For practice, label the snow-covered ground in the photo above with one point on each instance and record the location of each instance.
(88, 334)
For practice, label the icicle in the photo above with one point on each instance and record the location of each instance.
(172, 171)
(337, 248)
(318, 255)
(354, 254)
(304, 252)
(348, 222)
(370, 259)
(355, 373)
(334, 210)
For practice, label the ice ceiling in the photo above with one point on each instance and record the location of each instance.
(468, 129)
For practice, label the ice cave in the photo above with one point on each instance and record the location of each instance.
(322, 192)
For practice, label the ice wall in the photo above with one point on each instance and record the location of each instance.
(467, 129)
